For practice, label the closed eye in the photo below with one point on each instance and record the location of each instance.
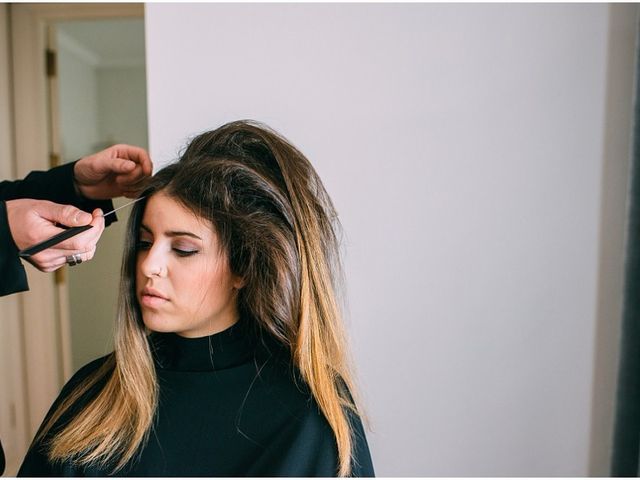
(185, 253)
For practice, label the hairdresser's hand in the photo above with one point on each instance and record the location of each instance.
(32, 221)
(120, 170)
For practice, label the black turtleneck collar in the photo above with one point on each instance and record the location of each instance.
(229, 348)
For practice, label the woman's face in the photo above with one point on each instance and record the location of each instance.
(183, 282)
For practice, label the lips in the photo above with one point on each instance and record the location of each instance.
(150, 297)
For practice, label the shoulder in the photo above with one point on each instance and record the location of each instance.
(288, 390)
(36, 462)
(281, 382)
(89, 371)
(282, 414)
(280, 388)
(84, 385)
(79, 390)
(92, 366)
(276, 394)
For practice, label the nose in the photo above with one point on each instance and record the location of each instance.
(153, 262)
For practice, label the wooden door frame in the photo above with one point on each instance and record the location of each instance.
(43, 310)
(13, 393)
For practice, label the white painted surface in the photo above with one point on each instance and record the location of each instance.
(463, 146)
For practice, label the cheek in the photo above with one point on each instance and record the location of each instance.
(207, 288)
(190, 284)
(139, 275)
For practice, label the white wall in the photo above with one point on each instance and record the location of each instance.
(464, 147)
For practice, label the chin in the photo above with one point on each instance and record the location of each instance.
(158, 323)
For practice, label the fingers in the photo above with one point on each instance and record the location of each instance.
(118, 158)
(122, 166)
(84, 240)
(62, 214)
(44, 264)
(83, 245)
(33, 221)
(113, 172)
(133, 184)
(53, 261)
(137, 155)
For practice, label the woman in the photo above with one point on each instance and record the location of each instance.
(229, 353)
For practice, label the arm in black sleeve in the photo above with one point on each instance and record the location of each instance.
(13, 278)
(55, 185)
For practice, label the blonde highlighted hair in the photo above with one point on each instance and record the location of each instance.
(278, 226)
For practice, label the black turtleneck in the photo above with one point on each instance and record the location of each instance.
(230, 405)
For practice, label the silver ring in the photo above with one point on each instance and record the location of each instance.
(74, 259)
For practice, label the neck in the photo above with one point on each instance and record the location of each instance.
(215, 324)
(213, 328)
(225, 349)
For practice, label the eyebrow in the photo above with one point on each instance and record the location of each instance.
(172, 233)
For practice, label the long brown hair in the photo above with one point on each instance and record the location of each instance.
(279, 228)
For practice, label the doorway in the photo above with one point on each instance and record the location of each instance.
(74, 107)
(101, 88)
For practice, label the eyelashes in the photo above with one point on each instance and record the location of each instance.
(184, 253)
(140, 245)
(144, 245)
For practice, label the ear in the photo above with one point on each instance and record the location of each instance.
(238, 282)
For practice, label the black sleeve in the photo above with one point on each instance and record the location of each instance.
(294, 438)
(298, 441)
(306, 447)
(13, 278)
(55, 185)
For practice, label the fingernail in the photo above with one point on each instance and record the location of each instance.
(83, 217)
